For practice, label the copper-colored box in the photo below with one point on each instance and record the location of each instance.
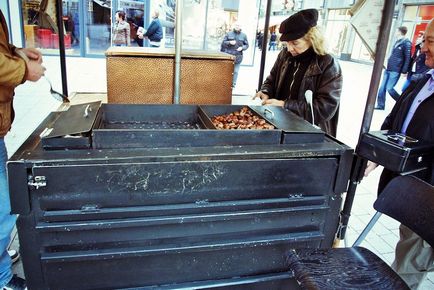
(138, 75)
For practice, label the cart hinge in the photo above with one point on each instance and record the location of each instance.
(37, 181)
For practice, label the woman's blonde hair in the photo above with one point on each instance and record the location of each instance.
(316, 38)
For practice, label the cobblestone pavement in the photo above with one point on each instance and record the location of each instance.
(33, 102)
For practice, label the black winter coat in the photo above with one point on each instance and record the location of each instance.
(323, 77)
(420, 127)
(399, 59)
(241, 41)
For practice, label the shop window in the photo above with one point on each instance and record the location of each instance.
(337, 30)
(40, 25)
(426, 12)
(410, 13)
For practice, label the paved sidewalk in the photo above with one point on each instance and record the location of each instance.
(33, 102)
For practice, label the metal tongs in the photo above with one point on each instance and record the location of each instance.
(58, 96)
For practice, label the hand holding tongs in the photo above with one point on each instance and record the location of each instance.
(55, 94)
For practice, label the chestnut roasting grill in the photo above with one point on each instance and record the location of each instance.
(123, 196)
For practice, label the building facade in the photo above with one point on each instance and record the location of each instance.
(88, 23)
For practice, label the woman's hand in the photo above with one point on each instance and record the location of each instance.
(261, 95)
(267, 101)
(370, 167)
(273, 102)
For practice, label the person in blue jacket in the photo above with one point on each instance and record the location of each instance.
(154, 32)
(235, 42)
(397, 64)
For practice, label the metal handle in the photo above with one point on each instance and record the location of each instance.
(269, 111)
(402, 138)
(87, 110)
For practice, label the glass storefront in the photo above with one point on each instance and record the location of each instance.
(88, 23)
(97, 28)
(336, 30)
(135, 13)
(72, 25)
(40, 28)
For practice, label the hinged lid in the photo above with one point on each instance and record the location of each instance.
(76, 120)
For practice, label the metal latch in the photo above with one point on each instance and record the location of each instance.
(37, 181)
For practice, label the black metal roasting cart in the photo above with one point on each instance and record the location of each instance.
(153, 196)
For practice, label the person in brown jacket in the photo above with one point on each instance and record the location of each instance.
(305, 79)
(14, 71)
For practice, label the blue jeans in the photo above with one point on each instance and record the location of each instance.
(236, 70)
(390, 78)
(7, 221)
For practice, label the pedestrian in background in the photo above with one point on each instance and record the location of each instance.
(259, 38)
(121, 30)
(305, 79)
(397, 64)
(273, 41)
(417, 67)
(14, 70)
(154, 32)
(235, 42)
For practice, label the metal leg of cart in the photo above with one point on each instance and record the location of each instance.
(367, 229)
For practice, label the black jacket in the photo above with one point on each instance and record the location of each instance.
(323, 77)
(399, 59)
(420, 127)
(418, 60)
(241, 41)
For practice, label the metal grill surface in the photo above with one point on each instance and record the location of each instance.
(152, 125)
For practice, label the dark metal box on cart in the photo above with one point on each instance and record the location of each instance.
(126, 196)
(395, 151)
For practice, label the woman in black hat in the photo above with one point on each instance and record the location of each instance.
(305, 79)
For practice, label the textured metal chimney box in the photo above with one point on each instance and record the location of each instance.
(146, 204)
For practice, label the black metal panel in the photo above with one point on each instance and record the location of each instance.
(344, 169)
(162, 126)
(295, 130)
(218, 217)
(172, 230)
(111, 139)
(144, 268)
(271, 281)
(92, 212)
(109, 185)
(20, 196)
(157, 126)
(30, 255)
(157, 113)
(394, 152)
